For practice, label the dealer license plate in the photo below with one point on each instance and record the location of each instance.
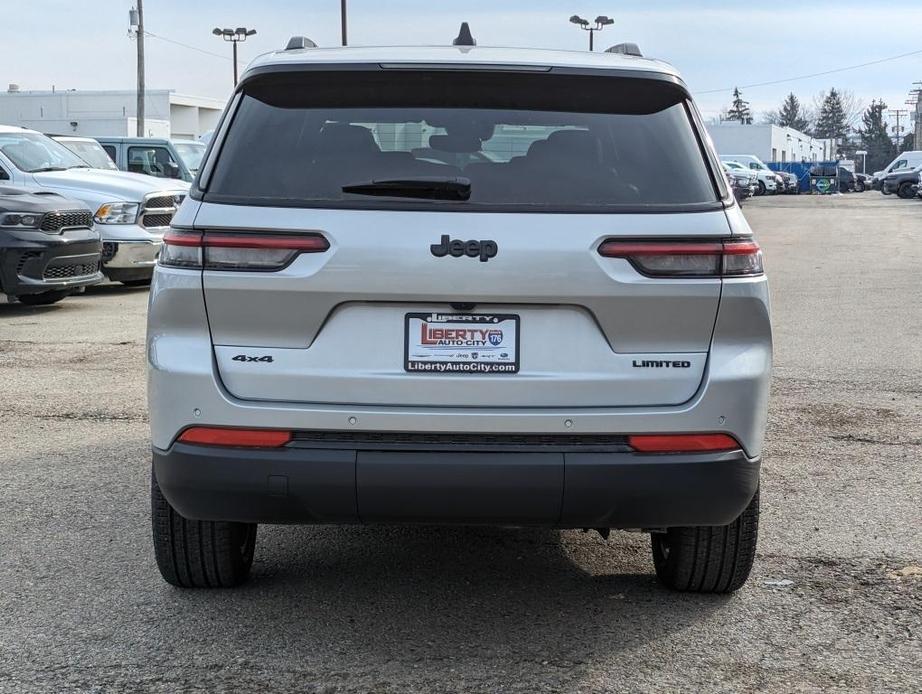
(462, 343)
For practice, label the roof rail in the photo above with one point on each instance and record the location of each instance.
(626, 49)
(464, 37)
(297, 42)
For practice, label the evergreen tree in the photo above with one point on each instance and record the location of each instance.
(875, 139)
(793, 115)
(740, 109)
(832, 122)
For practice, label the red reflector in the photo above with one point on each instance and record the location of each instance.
(243, 438)
(682, 443)
(302, 243)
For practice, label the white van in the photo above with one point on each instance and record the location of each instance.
(904, 160)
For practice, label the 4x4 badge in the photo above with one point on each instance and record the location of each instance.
(486, 249)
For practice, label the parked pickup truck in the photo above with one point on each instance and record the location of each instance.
(131, 211)
(152, 156)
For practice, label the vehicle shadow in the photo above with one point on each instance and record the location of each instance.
(69, 303)
(399, 594)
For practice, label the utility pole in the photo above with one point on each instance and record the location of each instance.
(136, 26)
(898, 113)
(342, 16)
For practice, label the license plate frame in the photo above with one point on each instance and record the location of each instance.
(490, 355)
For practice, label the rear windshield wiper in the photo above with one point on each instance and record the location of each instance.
(427, 187)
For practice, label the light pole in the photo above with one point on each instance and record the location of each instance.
(864, 159)
(342, 19)
(235, 36)
(136, 27)
(600, 23)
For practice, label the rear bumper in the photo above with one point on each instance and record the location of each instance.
(557, 488)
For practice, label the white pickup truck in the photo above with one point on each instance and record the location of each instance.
(131, 211)
(769, 182)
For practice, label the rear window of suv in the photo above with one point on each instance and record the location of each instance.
(522, 142)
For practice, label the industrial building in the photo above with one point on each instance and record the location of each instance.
(110, 112)
(770, 143)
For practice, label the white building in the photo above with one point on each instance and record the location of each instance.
(110, 112)
(770, 143)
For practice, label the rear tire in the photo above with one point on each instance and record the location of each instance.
(44, 298)
(199, 554)
(905, 191)
(708, 559)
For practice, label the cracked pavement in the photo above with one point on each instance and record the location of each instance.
(834, 603)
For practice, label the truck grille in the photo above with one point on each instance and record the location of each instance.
(157, 211)
(62, 272)
(55, 221)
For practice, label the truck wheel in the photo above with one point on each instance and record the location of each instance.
(905, 191)
(762, 189)
(199, 554)
(708, 559)
(44, 298)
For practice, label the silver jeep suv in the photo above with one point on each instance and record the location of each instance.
(451, 285)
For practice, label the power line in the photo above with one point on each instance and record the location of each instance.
(815, 74)
(186, 45)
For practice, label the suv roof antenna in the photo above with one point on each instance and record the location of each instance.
(464, 37)
(626, 49)
(298, 42)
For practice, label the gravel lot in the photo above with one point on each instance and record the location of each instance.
(82, 607)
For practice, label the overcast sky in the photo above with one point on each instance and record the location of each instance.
(716, 44)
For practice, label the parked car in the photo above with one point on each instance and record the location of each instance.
(152, 156)
(743, 183)
(737, 168)
(88, 149)
(768, 181)
(48, 248)
(905, 183)
(790, 184)
(131, 211)
(862, 182)
(395, 340)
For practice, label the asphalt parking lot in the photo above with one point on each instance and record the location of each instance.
(834, 603)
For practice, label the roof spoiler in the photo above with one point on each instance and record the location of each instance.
(626, 49)
(464, 37)
(298, 42)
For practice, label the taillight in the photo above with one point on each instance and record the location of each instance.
(233, 251)
(235, 438)
(727, 258)
(682, 443)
